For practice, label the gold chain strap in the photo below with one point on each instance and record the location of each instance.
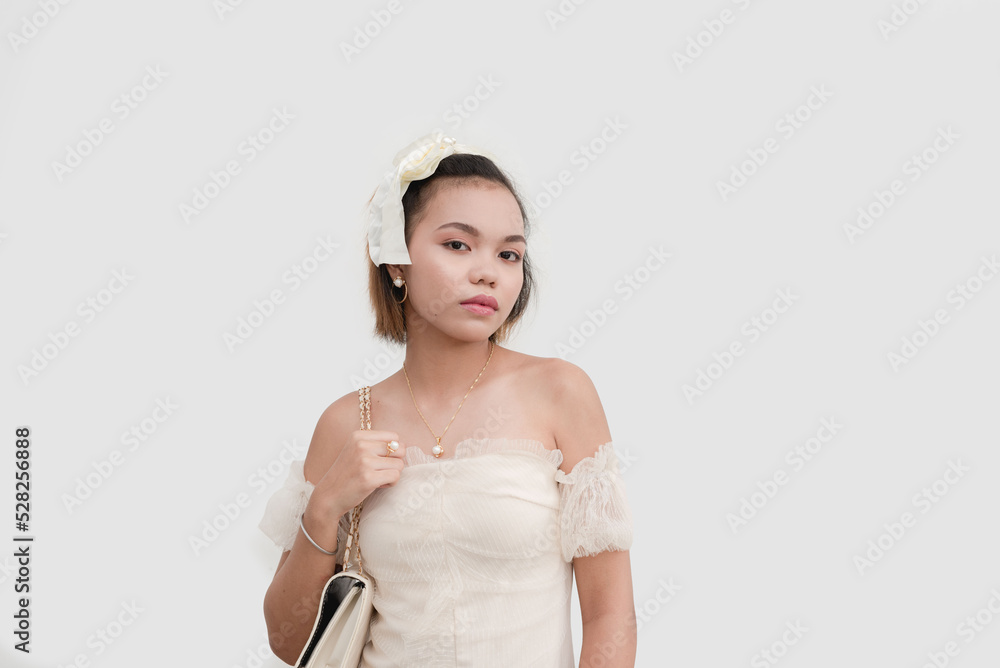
(352, 538)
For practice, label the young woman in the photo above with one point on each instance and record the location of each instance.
(488, 476)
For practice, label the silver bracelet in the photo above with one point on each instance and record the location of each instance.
(306, 533)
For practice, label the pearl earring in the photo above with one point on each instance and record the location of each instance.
(400, 283)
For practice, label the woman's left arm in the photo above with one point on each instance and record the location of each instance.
(604, 583)
(603, 580)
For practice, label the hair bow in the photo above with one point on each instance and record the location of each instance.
(386, 235)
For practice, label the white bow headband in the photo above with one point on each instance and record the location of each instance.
(386, 236)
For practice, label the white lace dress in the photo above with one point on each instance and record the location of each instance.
(472, 555)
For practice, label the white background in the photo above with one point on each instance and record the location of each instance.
(688, 463)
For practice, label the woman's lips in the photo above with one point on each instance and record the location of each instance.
(478, 309)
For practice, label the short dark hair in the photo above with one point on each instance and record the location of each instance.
(459, 168)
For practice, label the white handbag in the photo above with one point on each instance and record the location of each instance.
(340, 631)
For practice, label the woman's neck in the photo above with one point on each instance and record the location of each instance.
(440, 370)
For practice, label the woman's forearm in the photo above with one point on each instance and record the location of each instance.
(292, 600)
(609, 642)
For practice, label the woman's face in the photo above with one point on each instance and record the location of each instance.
(468, 242)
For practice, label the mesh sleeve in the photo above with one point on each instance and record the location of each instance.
(594, 514)
(280, 522)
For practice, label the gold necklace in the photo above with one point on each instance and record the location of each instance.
(437, 449)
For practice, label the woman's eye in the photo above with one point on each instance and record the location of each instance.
(450, 244)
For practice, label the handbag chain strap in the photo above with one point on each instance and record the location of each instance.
(352, 538)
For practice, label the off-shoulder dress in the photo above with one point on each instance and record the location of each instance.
(471, 555)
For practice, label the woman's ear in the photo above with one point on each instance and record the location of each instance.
(393, 270)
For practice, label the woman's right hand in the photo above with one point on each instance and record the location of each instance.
(363, 465)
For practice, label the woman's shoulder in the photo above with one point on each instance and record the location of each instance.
(571, 400)
(333, 427)
(552, 384)
(553, 374)
(548, 373)
(547, 369)
(342, 408)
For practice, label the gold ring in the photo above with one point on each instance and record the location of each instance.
(391, 448)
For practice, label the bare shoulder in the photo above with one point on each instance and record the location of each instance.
(537, 379)
(557, 379)
(539, 369)
(564, 373)
(334, 426)
(579, 423)
(565, 394)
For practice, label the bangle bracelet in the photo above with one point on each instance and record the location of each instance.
(306, 533)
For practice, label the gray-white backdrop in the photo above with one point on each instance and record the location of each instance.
(766, 229)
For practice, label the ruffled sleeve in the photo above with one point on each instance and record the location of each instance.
(281, 516)
(594, 513)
